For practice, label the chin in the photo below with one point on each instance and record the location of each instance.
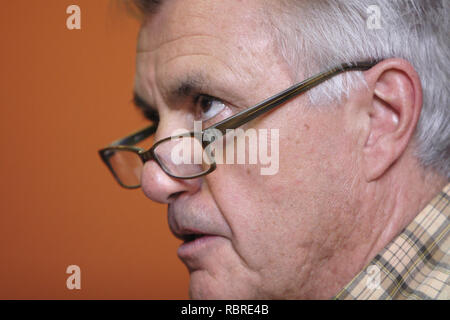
(202, 286)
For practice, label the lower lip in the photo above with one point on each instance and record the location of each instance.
(191, 248)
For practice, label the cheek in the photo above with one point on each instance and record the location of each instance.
(317, 151)
(271, 233)
(261, 215)
(278, 222)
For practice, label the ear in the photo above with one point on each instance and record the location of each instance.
(394, 109)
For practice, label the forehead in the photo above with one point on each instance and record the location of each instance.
(229, 20)
(207, 36)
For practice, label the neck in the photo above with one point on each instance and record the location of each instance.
(388, 205)
(397, 202)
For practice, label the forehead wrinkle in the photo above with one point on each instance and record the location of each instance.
(188, 83)
(188, 43)
(200, 35)
(174, 24)
(166, 42)
(201, 55)
(211, 76)
(235, 51)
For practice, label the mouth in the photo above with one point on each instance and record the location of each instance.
(191, 237)
(195, 244)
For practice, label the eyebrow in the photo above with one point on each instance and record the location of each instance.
(188, 86)
(149, 111)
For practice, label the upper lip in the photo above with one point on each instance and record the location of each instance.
(188, 223)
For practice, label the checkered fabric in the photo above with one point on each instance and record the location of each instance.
(416, 265)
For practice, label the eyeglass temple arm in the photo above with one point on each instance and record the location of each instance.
(251, 113)
(135, 137)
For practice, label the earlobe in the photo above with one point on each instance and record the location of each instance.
(395, 105)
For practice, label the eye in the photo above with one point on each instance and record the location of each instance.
(208, 106)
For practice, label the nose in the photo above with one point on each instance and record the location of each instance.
(155, 183)
(160, 187)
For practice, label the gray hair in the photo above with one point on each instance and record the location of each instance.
(316, 35)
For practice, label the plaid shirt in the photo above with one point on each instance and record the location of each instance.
(415, 265)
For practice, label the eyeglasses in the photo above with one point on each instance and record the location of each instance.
(126, 161)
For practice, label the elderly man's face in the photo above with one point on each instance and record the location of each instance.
(270, 236)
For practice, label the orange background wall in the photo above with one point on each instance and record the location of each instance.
(64, 94)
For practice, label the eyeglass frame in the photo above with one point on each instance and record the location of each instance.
(127, 143)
